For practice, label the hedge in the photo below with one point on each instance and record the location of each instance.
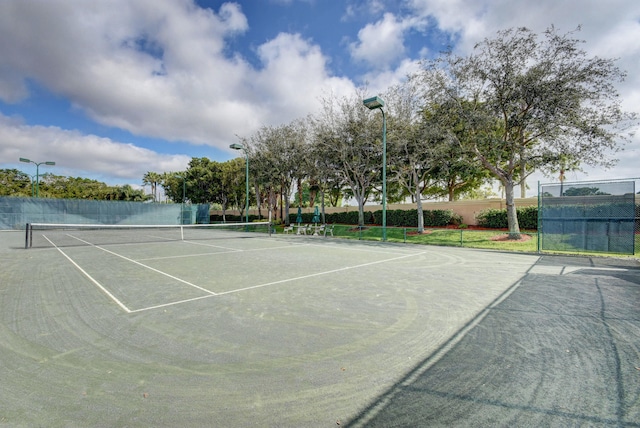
(497, 219)
(400, 218)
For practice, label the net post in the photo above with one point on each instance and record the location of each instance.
(26, 236)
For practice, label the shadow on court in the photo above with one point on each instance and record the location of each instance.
(562, 349)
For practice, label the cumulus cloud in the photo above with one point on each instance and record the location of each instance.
(152, 68)
(155, 68)
(75, 153)
(294, 77)
(381, 43)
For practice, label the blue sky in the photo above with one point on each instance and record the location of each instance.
(110, 89)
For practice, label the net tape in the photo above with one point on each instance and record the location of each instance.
(64, 235)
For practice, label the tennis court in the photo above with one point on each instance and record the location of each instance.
(285, 330)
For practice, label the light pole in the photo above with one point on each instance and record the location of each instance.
(237, 146)
(37, 164)
(372, 104)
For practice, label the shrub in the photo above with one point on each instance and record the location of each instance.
(497, 219)
(438, 218)
(528, 217)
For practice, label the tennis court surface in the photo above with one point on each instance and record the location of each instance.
(297, 331)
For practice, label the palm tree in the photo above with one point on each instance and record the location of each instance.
(152, 178)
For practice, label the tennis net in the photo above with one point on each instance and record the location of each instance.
(40, 235)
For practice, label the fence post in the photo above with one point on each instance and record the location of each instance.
(26, 237)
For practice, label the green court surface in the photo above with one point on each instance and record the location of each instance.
(295, 331)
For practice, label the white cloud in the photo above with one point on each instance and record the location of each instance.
(153, 68)
(381, 43)
(294, 77)
(378, 82)
(158, 68)
(75, 153)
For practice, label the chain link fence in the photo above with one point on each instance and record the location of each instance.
(15, 213)
(593, 217)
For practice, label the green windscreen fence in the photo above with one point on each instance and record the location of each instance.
(15, 213)
(588, 217)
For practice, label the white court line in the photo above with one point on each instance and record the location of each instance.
(282, 281)
(211, 245)
(321, 273)
(111, 296)
(147, 267)
(222, 252)
(164, 305)
(367, 250)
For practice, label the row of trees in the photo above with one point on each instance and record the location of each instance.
(204, 181)
(14, 182)
(520, 102)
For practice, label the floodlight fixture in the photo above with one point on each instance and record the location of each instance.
(37, 164)
(374, 103)
(238, 146)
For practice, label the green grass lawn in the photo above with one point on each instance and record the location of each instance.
(448, 237)
(452, 237)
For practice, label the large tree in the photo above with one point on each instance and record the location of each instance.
(277, 159)
(411, 153)
(455, 170)
(551, 100)
(350, 136)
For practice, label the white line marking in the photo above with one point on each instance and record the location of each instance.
(221, 252)
(147, 267)
(148, 308)
(367, 250)
(211, 245)
(320, 273)
(104, 290)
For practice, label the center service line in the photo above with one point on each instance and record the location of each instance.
(104, 290)
(147, 267)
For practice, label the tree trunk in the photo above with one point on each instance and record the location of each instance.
(361, 200)
(512, 217)
(258, 197)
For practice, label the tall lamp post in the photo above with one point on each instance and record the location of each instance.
(372, 104)
(37, 164)
(237, 146)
